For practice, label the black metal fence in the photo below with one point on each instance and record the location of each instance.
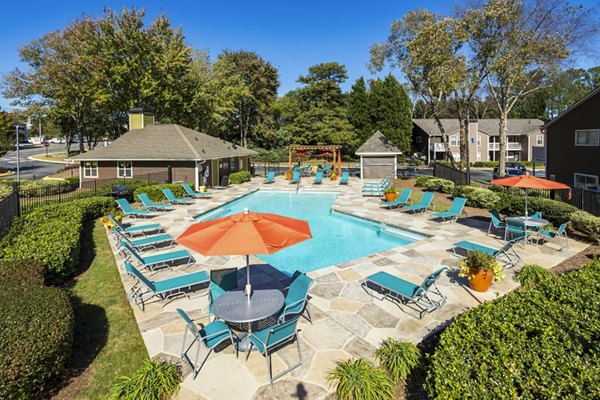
(9, 210)
(451, 174)
(586, 200)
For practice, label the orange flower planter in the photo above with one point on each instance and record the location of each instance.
(390, 196)
(481, 280)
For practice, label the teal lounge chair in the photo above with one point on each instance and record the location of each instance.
(144, 289)
(326, 170)
(345, 178)
(130, 211)
(318, 177)
(295, 177)
(136, 229)
(426, 296)
(376, 191)
(516, 228)
(272, 338)
(210, 336)
(270, 177)
(376, 185)
(402, 200)
(560, 234)
(190, 192)
(221, 281)
(296, 300)
(456, 209)
(146, 242)
(422, 205)
(150, 205)
(506, 254)
(495, 221)
(176, 200)
(156, 261)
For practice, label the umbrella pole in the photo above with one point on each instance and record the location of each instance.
(526, 202)
(248, 286)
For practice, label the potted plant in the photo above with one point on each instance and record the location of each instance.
(390, 194)
(108, 222)
(481, 270)
(333, 176)
(288, 175)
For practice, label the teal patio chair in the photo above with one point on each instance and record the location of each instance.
(560, 234)
(422, 205)
(150, 205)
(326, 170)
(345, 178)
(222, 281)
(191, 192)
(295, 177)
(515, 228)
(153, 241)
(318, 178)
(402, 200)
(145, 289)
(495, 221)
(136, 229)
(175, 200)
(376, 184)
(156, 261)
(270, 178)
(456, 209)
(506, 254)
(210, 336)
(376, 191)
(130, 211)
(426, 296)
(296, 299)
(272, 338)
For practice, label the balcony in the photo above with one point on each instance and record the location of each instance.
(436, 146)
(512, 146)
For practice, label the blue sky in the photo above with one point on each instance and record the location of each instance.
(291, 35)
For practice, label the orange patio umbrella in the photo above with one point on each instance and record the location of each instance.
(527, 181)
(244, 234)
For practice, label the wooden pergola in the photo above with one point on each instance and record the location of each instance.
(335, 149)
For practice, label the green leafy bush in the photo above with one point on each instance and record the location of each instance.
(422, 180)
(5, 191)
(439, 185)
(156, 380)
(45, 187)
(531, 275)
(397, 357)
(552, 210)
(360, 379)
(485, 164)
(586, 223)
(36, 330)
(51, 235)
(155, 191)
(478, 197)
(534, 343)
(239, 177)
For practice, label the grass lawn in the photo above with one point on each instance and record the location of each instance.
(107, 342)
(56, 156)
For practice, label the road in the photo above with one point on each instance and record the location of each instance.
(31, 169)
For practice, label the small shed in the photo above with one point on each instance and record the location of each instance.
(378, 157)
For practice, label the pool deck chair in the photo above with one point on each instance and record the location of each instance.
(495, 221)
(295, 177)
(272, 338)
(152, 242)
(426, 296)
(345, 178)
(150, 205)
(560, 234)
(136, 229)
(506, 254)
(156, 261)
(367, 185)
(132, 212)
(176, 200)
(144, 289)
(318, 178)
(423, 205)
(456, 209)
(516, 228)
(376, 191)
(197, 195)
(401, 201)
(210, 336)
(296, 300)
(270, 178)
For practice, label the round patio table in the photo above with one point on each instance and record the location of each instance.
(234, 307)
(532, 222)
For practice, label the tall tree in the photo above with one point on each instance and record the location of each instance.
(358, 110)
(7, 133)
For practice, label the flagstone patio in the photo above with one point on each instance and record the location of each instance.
(347, 322)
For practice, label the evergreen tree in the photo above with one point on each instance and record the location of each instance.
(358, 110)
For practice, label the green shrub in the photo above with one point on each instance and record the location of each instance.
(586, 223)
(422, 180)
(439, 185)
(485, 164)
(552, 210)
(237, 178)
(397, 357)
(46, 187)
(155, 193)
(478, 197)
(531, 275)
(36, 330)
(360, 379)
(534, 343)
(51, 235)
(5, 191)
(156, 380)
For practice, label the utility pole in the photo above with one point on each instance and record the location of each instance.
(468, 144)
(18, 155)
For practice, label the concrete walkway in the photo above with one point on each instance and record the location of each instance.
(347, 322)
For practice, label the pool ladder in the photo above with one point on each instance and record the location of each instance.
(298, 184)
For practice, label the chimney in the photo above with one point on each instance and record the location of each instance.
(140, 117)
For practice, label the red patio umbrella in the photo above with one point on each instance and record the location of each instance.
(527, 181)
(244, 234)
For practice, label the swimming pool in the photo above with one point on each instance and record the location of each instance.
(336, 238)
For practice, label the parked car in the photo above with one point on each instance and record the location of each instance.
(516, 165)
(56, 140)
(508, 172)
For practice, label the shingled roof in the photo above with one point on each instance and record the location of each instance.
(378, 143)
(488, 126)
(164, 143)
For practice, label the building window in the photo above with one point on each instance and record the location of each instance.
(90, 169)
(587, 137)
(419, 139)
(454, 140)
(124, 169)
(539, 140)
(586, 181)
(478, 140)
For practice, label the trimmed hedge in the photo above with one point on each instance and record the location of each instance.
(51, 235)
(36, 330)
(533, 344)
(480, 198)
(155, 191)
(239, 177)
(422, 180)
(439, 185)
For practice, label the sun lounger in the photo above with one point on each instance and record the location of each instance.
(295, 177)
(130, 211)
(506, 254)
(156, 261)
(136, 229)
(426, 296)
(318, 177)
(176, 200)
(402, 200)
(146, 242)
(422, 205)
(270, 177)
(456, 209)
(150, 205)
(190, 192)
(345, 178)
(375, 185)
(376, 191)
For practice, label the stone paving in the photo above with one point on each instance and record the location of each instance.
(347, 322)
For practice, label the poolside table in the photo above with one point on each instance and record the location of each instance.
(234, 307)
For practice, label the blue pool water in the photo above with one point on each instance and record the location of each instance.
(336, 237)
